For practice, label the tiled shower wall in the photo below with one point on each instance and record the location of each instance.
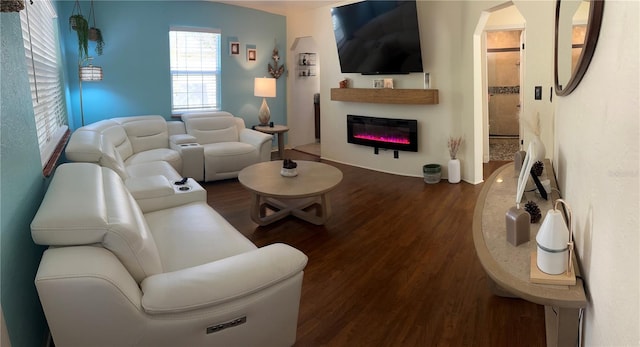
(503, 74)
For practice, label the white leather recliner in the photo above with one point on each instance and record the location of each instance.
(132, 146)
(178, 276)
(228, 145)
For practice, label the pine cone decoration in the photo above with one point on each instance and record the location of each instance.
(537, 168)
(534, 211)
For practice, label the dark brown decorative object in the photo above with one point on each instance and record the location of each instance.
(537, 168)
(274, 70)
(289, 164)
(11, 5)
(534, 211)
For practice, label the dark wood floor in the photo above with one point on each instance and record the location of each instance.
(394, 266)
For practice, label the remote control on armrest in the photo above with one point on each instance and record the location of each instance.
(181, 182)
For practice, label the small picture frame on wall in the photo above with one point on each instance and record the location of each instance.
(427, 81)
(378, 83)
(252, 54)
(234, 48)
(388, 83)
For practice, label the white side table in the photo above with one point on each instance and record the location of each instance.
(279, 131)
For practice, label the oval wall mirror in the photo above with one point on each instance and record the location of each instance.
(577, 29)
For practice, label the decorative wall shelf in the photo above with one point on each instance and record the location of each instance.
(306, 64)
(386, 95)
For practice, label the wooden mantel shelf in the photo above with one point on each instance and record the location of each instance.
(386, 95)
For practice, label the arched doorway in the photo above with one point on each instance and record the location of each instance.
(504, 17)
(305, 87)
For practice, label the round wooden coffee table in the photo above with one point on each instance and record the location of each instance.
(290, 195)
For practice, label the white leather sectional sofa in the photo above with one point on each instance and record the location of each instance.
(177, 274)
(205, 147)
(137, 257)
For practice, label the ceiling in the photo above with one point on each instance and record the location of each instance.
(281, 7)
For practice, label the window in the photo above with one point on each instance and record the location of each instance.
(40, 35)
(195, 70)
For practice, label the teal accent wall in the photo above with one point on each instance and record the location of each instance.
(136, 57)
(22, 187)
(137, 81)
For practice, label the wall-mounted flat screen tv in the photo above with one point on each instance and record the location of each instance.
(378, 37)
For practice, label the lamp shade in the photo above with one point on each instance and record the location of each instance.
(90, 73)
(554, 243)
(264, 87)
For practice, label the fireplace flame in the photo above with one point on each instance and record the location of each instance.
(384, 139)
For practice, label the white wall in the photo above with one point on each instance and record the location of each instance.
(596, 133)
(441, 27)
(447, 29)
(538, 68)
(592, 135)
(300, 108)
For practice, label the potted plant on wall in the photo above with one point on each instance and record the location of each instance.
(94, 33)
(454, 163)
(81, 27)
(76, 13)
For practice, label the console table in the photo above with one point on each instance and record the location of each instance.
(508, 266)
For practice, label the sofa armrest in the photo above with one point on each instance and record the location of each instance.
(153, 193)
(82, 265)
(149, 187)
(221, 281)
(254, 137)
(84, 146)
(192, 155)
(75, 283)
(175, 127)
(261, 141)
(180, 139)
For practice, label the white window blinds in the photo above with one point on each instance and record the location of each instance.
(39, 31)
(195, 70)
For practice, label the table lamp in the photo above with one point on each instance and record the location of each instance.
(266, 88)
(555, 243)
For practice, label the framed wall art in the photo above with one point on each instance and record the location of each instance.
(252, 53)
(234, 48)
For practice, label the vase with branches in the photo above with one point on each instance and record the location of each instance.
(453, 166)
(454, 145)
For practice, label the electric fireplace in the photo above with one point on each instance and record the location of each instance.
(387, 133)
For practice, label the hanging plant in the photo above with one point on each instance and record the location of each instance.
(75, 14)
(11, 5)
(81, 26)
(94, 33)
(82, 29)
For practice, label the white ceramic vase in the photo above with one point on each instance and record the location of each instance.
(454, 170)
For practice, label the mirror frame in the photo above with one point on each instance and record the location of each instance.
(591, 39)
